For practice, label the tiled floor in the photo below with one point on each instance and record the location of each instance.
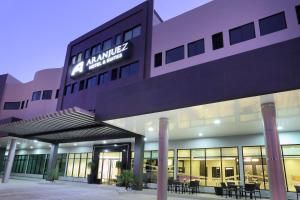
(42, 190)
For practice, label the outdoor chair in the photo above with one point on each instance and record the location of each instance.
(224, 189)
(250, 189)
(171, 184)
(192, 187)
(297, 187)
(257, 189)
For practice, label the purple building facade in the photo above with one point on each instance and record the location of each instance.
(216, 95)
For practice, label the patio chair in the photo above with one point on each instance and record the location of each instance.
(297, 187)
(192, 187)
(249, 189)
(171, 184)
(224, 189)
(257, 189)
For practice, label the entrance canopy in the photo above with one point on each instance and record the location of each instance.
(69, 125)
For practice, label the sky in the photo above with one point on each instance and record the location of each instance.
(34, 34)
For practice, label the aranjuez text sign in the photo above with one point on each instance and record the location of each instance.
(98, 61)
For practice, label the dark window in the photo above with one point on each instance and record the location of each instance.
(36, 96)
(196, 48)
(75, 87)
(67, 90)
(132, 33)
(107, 44)
(175, 54)
(47, 94)
(103, 78)
(114, 74)
(11, 105)
(27, 103)
(216, 172)
(91, 82)
(129, 70)
(158, 59)
(87, 54)
(217, 41)
(136, 31)
(22, 104)
(81, 85)
(242, 33)
(96, 49)
(298, 13)
(118, 39)
(272, 24)
(57, 94)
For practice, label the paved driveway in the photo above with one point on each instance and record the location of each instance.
(42, 190)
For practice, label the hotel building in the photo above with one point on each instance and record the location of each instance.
(211, 95)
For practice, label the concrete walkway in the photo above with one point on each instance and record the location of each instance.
(42, 190)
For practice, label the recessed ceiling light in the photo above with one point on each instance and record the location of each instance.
(217, 121)
(104, 142)
(145, 139)
(279, 128)
(31, 147)
(150, 129)
(50, 145)
(124, 150)
(75, 144)
(105, 150)
(200, 134)
(115, 145)
(18, 143)
(35, 141)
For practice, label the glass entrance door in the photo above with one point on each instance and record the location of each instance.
(108, 171)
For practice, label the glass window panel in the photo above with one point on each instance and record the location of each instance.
(154, 154)
(213, 152)
(147, 154)
(230, 151)
(91, 82)
(184, 169)
(184, 153)
(82, 167)
(136, 31)
(242, 33)
(196, 48)
(127, 35)
(198, 153)
(118, 39)
(230, 170)
(107, 44)
(170, 153)
(291, 164)
(217, 41)
(252, 151)
(175, 54)
(70, 167)
(90, 155)
(272, 23)
(291, 150)
(47, 94)
(213, 166)
(11, 105)
(76, 167)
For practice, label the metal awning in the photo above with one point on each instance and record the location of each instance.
(69, 125)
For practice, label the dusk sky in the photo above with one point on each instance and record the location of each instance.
(35, 33)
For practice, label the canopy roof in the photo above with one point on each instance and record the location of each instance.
(69, 125)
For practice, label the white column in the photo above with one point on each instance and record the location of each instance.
(10, 160)
(241, 165)
(275, 167)
(175, 163)
(52, 159)
(162, 175)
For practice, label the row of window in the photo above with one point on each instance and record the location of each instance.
(239, 34)
(210, 166)
(37, 95)
(107, 44)
(101, 79)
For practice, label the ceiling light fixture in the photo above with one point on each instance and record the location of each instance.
(75, 144)
(31, 147)
(104, 142)
(279, 128)
(151, 129)
(115, 145)
(217, 121)
(35, 141)
(145, 139)
(200, 134)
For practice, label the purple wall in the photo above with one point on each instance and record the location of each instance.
(139, 15)
(267, 70)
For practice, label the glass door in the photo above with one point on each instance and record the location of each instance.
(108, 171)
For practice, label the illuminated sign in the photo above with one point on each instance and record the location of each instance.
(100, 60)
